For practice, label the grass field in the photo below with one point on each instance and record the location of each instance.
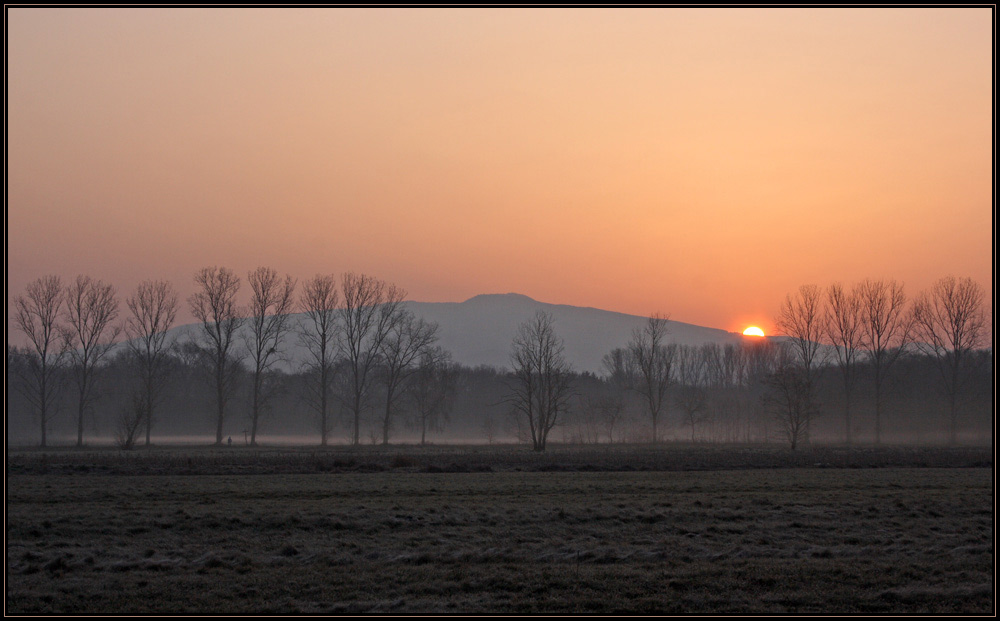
(203, 459)
(829, 540)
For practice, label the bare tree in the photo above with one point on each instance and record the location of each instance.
(540, 383)
(844, 329)
(612, 404)
(801, 319)
(787, 396)
(489, 429)
(432, 390)
(759, 359)
(653, 365)
(91, 306)
(154, 309)
(725, 368)
(691, 394)
(370, 306)
(319, 335)
(885, 333)
(214, 305)
(407, 340)
(38, 317)
(130, 418)
(271, 301)
(950, 323)
(588, 421)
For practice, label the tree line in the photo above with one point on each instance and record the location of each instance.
(373, 366)
(862, 330)
(358, 336)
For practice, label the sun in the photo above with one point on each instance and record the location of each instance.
(753, 331)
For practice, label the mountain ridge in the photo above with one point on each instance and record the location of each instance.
(479, 330)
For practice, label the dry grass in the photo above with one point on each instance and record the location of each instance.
(789, 540)
(498, 458)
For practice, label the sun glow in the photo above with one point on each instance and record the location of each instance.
(753, 331)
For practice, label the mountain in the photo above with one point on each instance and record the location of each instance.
(479, 330)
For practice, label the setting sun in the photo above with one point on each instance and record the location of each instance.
(753, 331)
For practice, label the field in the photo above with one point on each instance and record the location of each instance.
(584, 531)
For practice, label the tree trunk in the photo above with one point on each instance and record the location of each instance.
(220, 398)
(357, 419)
(256, 409)
(218, 427)
(953, 416)
(149, 413)
(807, 430)
(79, 423)
(878, 407)
(847, 414)
(43, 402)
(385, 419)
(322, 402)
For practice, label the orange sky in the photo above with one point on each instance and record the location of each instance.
(700, 162)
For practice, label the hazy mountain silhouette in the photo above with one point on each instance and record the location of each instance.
(479, 330)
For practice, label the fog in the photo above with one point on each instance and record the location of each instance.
(914, 412)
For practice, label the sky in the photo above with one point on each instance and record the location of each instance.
(701, 163)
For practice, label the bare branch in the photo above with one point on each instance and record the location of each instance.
(885, 332)
(843, 327)
(370, 306)
(801, 319)
(271, 301)
(91, 306)
(37, 315)
(653, 364)
(540, 381)
(154, 309)
(214, 305)
(950, 323)
(320, 334)
(407, 339)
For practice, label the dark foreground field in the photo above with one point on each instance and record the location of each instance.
(887, 540)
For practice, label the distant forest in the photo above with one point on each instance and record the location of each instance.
(857, 365)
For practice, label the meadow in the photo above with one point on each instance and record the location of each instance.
(500, 529)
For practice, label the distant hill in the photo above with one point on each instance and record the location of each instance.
(479, 330)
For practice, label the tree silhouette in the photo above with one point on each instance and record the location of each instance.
(788, 397)
(319, 333)
(37, 315)
(801, 319)
(432, 390)
(91, 306)
(214, 305)
(370, 308)
(540, 381)
(271, 300)
(653, 362)
(407, 339)
(950, 323)
(154, 308)
(885, 333)
(844, 329)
